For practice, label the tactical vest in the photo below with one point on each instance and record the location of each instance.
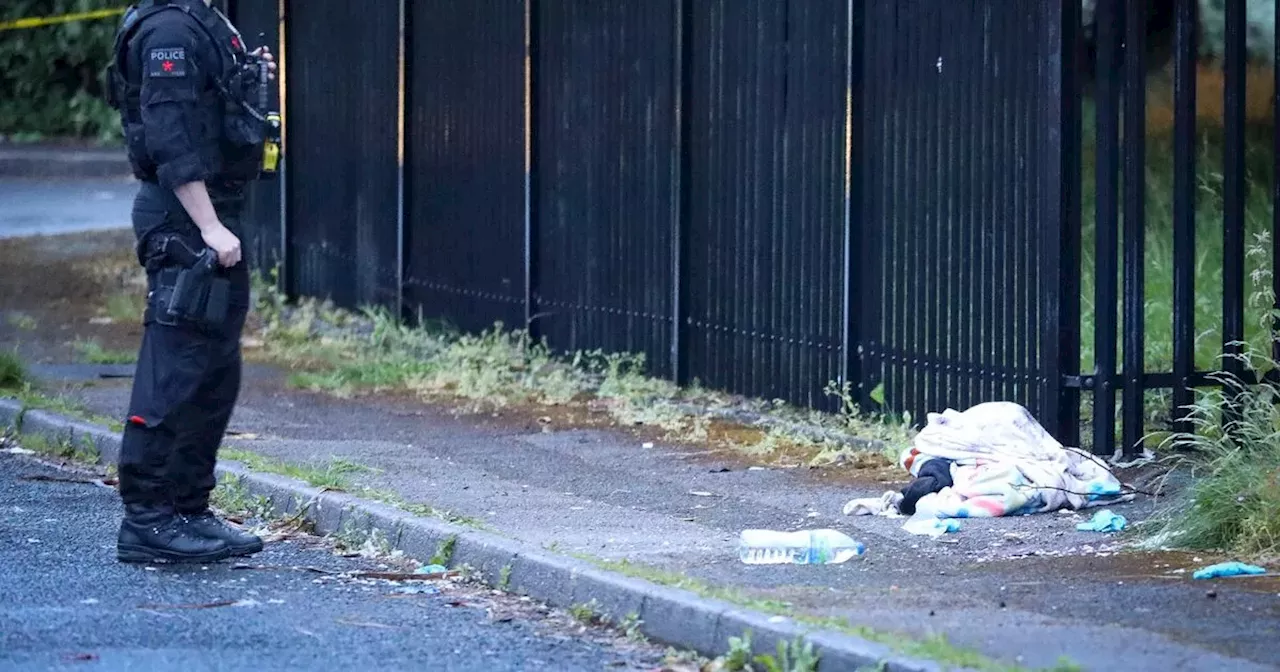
(236, 130)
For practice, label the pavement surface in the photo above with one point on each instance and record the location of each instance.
(62, 161)
(1023, 590)
(69, 605)
(84, 205)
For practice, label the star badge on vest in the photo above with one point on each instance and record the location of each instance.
(167, 62)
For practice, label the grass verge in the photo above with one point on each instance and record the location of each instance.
(125, 307)
(83, 451)
(349, 352)
(935, 648)
(91, 351)
(34, 399)
(334, 474)
(22, 321)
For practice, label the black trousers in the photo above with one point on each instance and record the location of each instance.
(187, 378)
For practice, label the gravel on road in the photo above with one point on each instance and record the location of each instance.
(67, 603)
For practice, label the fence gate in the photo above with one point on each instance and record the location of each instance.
(961, 219)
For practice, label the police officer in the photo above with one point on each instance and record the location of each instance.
(183, 82)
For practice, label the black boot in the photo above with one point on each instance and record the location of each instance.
(210, 526)
(156, 533)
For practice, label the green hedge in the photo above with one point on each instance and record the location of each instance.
(51, 77)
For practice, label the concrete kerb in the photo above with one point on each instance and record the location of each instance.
(667, 615)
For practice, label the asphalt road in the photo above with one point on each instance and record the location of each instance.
(66, 603)
(44, 207)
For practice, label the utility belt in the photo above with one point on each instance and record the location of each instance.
(185, 285)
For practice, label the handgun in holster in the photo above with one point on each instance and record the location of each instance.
(198, 294)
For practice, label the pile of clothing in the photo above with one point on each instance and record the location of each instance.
(989, 461)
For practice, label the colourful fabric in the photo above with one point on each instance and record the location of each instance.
(1006, 464)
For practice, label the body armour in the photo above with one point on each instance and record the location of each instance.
(183, 83)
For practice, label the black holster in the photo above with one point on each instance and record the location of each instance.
(187, 286)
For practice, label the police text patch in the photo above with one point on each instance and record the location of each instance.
(167, 62)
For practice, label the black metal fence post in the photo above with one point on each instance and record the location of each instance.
(1184, 209)
(530, 171)
(1233, 154)
(1060, 328)
(402, 311)
(1275, 202)
(1135, 195)
(680, 199)
(1107, 27)
(855, 327)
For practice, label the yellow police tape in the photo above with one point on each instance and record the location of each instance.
(37, 21)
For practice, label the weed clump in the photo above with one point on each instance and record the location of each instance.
(1233, 500)
(13, 374)
(345, 353)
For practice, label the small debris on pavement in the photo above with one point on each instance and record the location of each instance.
(58, 479)
(367, 624)
(417, 590)
(431, 569)
(699, 493)
(1103, 521)
(316, 570)
(932, 527)
(647, 444)
(206, 605)
(1227, 569)
(401, 576)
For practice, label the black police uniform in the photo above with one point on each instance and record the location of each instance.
(182, 82)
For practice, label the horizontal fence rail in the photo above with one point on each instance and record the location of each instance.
(928, 202)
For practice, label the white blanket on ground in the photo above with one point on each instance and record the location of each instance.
(1004, 464)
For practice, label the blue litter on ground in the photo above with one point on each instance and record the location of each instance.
(1103, 521)
(1228, 569)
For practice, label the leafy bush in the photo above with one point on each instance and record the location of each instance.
(52, 81)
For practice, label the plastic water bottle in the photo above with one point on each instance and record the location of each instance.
(812, 547)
